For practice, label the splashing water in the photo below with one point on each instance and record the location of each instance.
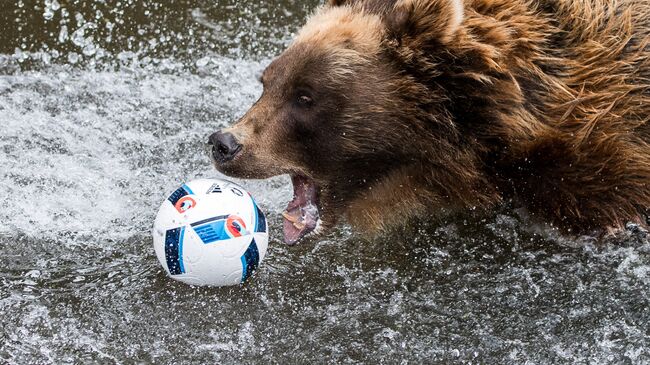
(104, 110)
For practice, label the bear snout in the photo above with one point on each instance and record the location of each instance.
(224, 146)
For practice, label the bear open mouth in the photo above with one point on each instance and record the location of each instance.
(301, 216)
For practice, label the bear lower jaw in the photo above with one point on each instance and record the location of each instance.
(302, 216)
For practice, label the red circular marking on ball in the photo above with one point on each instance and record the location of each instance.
(184, 204)
(235, 226)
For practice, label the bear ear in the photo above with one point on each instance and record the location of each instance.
(424, 20)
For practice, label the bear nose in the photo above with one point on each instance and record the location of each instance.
(224, 146)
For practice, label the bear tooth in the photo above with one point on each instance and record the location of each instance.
(289, 217)
(299, 225)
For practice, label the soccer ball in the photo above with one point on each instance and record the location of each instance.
(210, 232)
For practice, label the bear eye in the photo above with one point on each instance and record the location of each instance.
(305, 100)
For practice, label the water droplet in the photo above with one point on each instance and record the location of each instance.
(125, 56)
(19, 55)
(89, 49)
(63, 34)
(33, 274)
(46, 57)
(202, 62)
(73, 57)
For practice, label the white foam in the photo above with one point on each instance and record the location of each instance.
(96, 152)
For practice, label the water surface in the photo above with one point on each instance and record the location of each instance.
(104, 107)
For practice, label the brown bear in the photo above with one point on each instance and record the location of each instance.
(385, 110)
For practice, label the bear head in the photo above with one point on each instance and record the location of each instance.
(353, 111)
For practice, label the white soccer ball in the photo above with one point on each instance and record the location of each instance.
(210, 232)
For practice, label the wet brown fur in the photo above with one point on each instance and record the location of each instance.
(544, 103)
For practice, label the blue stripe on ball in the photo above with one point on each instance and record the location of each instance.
(260, 219)
(187, 188)
(212, 229)
(177, 195)
(173, 251)
(250, 260)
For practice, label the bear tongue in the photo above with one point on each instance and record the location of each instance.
(301, 215)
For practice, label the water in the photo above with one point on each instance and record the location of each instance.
(97, 128)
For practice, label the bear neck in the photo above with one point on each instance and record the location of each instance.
(479, 96)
